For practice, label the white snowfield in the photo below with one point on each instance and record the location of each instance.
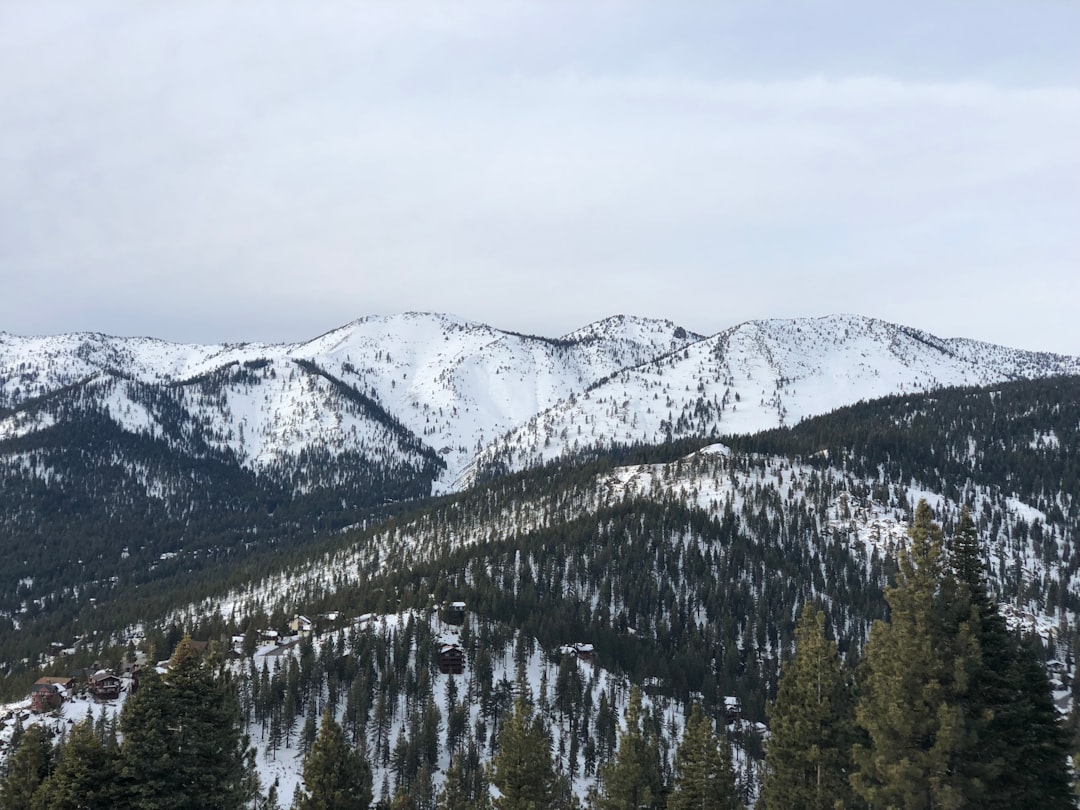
(478, 396)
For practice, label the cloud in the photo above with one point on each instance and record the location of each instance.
(265, 172)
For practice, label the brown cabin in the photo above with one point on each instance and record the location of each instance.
(104, 685)
(454, 613)
(46, 695)
(732, 710)
(451, 659)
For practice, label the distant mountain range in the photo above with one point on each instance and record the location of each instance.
(445, 400)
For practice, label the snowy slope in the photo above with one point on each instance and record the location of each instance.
(481, 398)
(452, 384)
(760, 375)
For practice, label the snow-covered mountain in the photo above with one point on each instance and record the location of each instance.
(404, 388)
(760, 375)
(450, 385)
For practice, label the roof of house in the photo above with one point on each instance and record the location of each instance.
(59, 681)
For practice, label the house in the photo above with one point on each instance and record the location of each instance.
(580, 650)
(732, 710)
(584, 652)
(451, 659)
(104, 685)
(301, 625)
(46, 695)
(454, 613)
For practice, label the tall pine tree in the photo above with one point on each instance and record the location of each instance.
(522, 768)
(336, 776)
(633, 779)
(808, 753)
(30, 764)
(184, 745)
(916, 673)
(85, 778)
(704, 776)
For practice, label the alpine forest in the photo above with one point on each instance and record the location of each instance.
(418, 563)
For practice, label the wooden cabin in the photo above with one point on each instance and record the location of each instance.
(454, 613)
(451, 659)
(104, 685)
(580, 650)
(46, 695)
(732, 710)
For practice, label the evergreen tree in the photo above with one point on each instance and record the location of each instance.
(808, 753)
(458, 791)
(1037, 773)
(85, 778)
(914, 683)
(522, 768)
(704, 776)
(1021, 756)
(183, 741)
(336, 776)
(30, 765)
(633, 780)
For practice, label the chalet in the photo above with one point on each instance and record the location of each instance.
(301, 625)
(580, 650)
(104, 685)
(454, 613)
(46, 695)
(451, 659)
(732, 710)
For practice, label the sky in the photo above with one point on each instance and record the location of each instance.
(267, 171)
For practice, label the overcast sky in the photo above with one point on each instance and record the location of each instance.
(268, 170)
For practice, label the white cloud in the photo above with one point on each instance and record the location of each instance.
(227, 172)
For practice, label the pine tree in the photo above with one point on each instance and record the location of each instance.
(336, 776)
(522, 768)
(1037, 773)
(459, 791)
(1020, 758)
(915, 676)
(633, 779)
(184, 745)
(808, 753)
(704, 776)
(85, 777)
(30, 764)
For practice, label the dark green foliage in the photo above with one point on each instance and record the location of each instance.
(808, 754)
(957, 712)
(704, 777)
(914, 683)
(522, 769)
(30, 765)
(183, 744)
(336, 775)
(86, 776)
(463, 790)
(633, 779)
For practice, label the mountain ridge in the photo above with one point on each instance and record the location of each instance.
(483, 398)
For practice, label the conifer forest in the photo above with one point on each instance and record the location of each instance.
(872, 608)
